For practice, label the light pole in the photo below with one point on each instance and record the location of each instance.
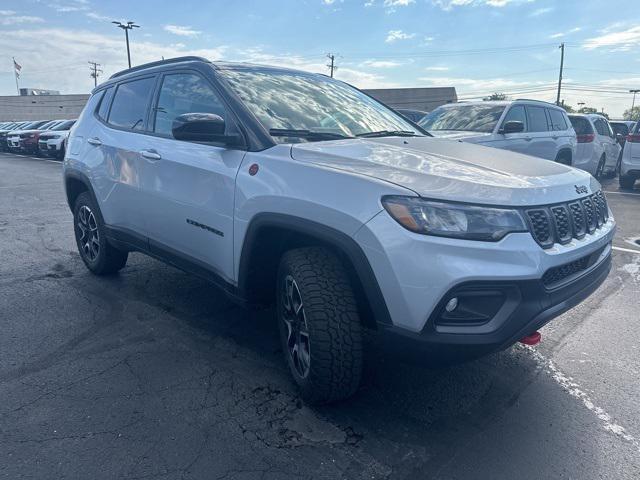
(633, 103)
(126, 27)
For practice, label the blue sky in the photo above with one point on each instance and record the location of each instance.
(478, 46)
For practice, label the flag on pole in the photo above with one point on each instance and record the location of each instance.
(17, 67)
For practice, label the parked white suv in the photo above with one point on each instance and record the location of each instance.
(295, 188)
(598, 147)
(52, 143)
(535, 128)
(630, 161)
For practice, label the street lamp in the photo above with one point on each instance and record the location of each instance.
(126, 27)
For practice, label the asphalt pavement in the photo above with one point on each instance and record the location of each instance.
(154, 374)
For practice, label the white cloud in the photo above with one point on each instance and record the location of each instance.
(57, 58)
(541, 11)
(622, 39)
(8, 17)
(450, 4)
(398, 3)
(568, 32)
(381, 63)
(99, 17)
(395, 35)
(182, 30)
(436, 69)
(70, 6)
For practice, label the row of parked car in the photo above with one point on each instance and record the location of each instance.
(587, 141)
(40, 137)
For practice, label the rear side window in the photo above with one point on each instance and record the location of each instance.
(129, 106)
(103, 109)
(516, 114)
(601, 128)
(184, 93)
(557, 120)
(581, 125)
(620, 128)
(537, 119)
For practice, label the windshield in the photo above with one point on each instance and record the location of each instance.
(66, 125)
(467, 117)
(285, 100)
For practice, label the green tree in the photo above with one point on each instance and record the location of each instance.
(632, 114)
(496, 96)
(568, 108)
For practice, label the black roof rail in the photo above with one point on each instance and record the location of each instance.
(158, 63)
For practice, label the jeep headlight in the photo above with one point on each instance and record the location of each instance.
(456, 220)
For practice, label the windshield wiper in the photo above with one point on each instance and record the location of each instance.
(388, 133)
(310, 134)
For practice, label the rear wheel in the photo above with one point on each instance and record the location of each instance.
(600, 167)
(98, 255)
(564, 158)
(320, 329)
(626, 182)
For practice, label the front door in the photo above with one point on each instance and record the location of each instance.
(189, 187)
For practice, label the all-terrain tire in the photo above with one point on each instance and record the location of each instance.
(96, 252)
(334, 330)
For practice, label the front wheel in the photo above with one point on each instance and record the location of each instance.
(96, 252)
(320, 329)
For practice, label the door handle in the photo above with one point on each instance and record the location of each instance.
(150, 154)
(528, 139)
(555, 137)
(94, 141)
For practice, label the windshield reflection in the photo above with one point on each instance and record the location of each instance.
(283, 99)
(470, 117)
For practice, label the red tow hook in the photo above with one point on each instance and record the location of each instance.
(532, 339)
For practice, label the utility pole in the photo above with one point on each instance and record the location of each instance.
(331, 65)
(560, 77)
(633, 103)
(126, 27)
(95, 72)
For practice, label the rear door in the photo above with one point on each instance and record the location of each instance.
(115, 142)
(541, 143)
(605, 134)
(189, 187)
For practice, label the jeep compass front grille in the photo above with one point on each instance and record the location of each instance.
(562, 222)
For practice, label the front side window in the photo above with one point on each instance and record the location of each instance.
(537, 119)
(516, 114)
(129, 107)
(184, 93)
(557, 120)
(284, 100)
(467, 117)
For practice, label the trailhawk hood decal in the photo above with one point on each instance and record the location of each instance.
(450, 170)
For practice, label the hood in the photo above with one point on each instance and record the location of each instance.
(448, 170)
(461, 135)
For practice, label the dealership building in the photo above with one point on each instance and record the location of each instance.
(46, 106)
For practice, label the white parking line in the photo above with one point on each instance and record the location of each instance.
(628, 250)
(622, 193)
(572, 388)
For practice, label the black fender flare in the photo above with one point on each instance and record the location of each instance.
(82, 178)
(368, 288)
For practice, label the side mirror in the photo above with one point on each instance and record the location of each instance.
(512, 126)
(619, 138)
(202, 127)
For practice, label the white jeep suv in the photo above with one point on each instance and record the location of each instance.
(630, 160)
(535, 128)
(290, 187)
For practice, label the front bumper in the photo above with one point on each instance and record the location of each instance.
(418, 274)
